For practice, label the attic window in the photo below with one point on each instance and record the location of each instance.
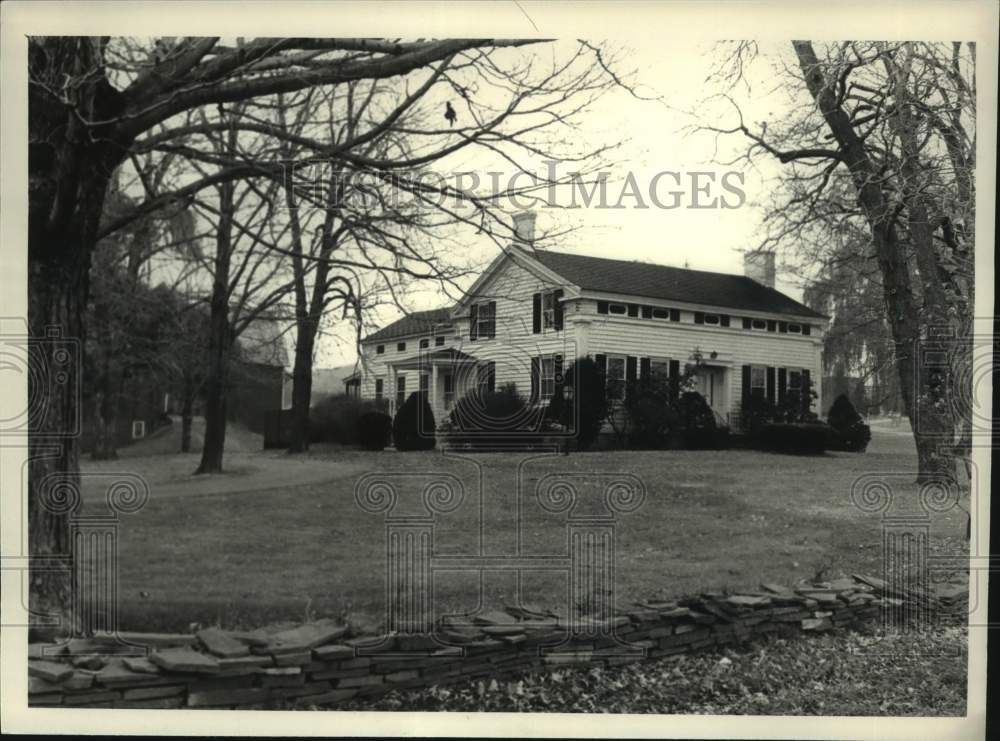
(401, 347)
(438, 341)
(758, 324)
(795, 329)
(661, 313)
(711, 318)
(617, 308)
(379, 349)
(424, 343)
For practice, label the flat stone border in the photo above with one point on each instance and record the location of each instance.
(322, 664)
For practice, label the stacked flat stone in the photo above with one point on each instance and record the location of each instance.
(322, 663)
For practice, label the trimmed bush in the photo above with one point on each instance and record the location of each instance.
(697, 423)
(653, 420)
(802, 438)
(851, 432)
(334, 419)
(495, 420)
(413, 427)
(373, 430)
(584, 414)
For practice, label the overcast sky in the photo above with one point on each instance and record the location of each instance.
(660, 140)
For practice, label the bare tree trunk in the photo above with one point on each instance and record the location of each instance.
(302, 387)
(219, 341)
(187, 414)
(904, 312)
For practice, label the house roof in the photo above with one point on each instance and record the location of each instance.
(417, 322)
(667, 283)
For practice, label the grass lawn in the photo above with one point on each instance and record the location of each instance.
(282, 538)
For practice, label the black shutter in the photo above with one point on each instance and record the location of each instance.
(536, 374)
(746, 383)
(493, 321)
(783, 327)
(699, 317)
(675, 378)
(473, 322)
(557, 309)
(746, 323)
(804, 392)
(647, 312)
(782, 383)
(602, 307)
(724, 320)
(770, 383)
(771, 325)
(536, 313)
(806, 329)
(633, 310)
(558, 369)
(644, 369)
(675, 315)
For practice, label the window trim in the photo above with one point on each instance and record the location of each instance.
(486, 323)
(380, 349)
(401, 346)
(608, 380)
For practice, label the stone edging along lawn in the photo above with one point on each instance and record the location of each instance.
(321, 663)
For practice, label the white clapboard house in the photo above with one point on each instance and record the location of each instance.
(532, 311)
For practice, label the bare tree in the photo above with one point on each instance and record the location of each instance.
(882, 135)
(92, 98)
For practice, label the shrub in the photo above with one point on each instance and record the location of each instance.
(697, 423)
(653, 419)
(334, 419)
(413, 427)
(495, 419)
(804, 438)
(851, 432)
(584, 414)
(756, 411)
(373, 430)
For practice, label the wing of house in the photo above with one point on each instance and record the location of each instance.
(532, 311)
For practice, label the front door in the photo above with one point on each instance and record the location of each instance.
(711, 383)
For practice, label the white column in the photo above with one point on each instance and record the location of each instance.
(434, 392)
(391, 391)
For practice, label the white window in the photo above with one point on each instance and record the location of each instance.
(758, 381)
(659, 370)
(794, 380)
(449, 390)
(548, 310)
(616, 378)
(400, 391)
(486, 320)
(379, 389)
(547, 381)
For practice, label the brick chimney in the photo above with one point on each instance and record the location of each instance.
(759, 265)
(524, 229)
